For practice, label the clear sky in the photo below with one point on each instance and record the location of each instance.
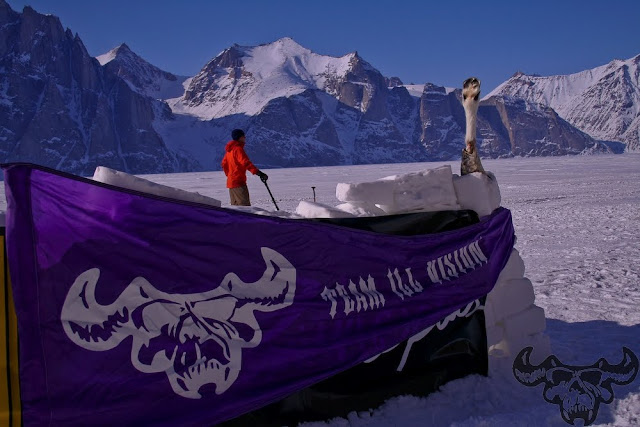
(420, 41)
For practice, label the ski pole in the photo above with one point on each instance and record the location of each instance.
(314, 194)
(269, 190)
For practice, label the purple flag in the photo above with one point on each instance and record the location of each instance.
(138, 309)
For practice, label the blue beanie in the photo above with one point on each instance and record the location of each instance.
(236, 134)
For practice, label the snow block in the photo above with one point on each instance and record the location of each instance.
(259, 211)
(515, 296)
(132, 182)
(528, 322)
(541, 344)
(361, 209)
(511, 347)
(478, 192)
(376, 192)
(514, 269)
(495, 334)
(490, 318)
(430, 190)
(317, 210)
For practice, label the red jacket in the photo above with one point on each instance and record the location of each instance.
(236, 163)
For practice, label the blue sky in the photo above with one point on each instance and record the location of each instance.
(441, 42)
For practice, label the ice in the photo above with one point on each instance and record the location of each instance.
(131, 182)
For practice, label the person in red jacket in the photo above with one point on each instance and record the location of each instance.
(235, 164)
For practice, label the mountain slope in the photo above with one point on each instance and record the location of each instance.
(141, 76)
(506, 127)
(60, 108)
(242, 80)
(603, 102)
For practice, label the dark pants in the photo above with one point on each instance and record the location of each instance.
(239, 196)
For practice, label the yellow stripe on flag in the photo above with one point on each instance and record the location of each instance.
(10, 414)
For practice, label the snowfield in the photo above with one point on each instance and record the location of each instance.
(577, 221)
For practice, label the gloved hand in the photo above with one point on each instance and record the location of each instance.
(263, 176)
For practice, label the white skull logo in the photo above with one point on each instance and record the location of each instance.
(196, 339)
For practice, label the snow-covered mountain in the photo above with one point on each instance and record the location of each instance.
(141, 76)
(301, 109)
(242, 80)
(298, 109)
(61, 108)
(506, 127)
(603, 102)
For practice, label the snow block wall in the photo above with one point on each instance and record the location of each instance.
(430, 190)
(131, 182)
(513, 321)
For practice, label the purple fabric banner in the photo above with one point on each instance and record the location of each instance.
(138, 309)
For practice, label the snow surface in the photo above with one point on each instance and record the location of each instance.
(416, 90)
(105, 58)
(577, 220)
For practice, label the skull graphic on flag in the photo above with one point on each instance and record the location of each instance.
(196, 339)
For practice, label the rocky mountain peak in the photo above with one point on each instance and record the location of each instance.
(287, 44)
(124, 49)
(393, 81)
(141, 76)
(121, 52)
(6, 13)
(228, 58)
(603, 102)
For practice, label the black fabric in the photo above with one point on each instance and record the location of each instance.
(458, 350)
(409, 224)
